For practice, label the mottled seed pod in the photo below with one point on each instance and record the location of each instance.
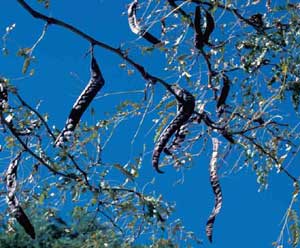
(197, 20)
(185, 108)
(200, 38)
(95, 84)
(216, 189)
(224, 94)
(178, 140)
(3, 95)
(210, 26)
(135, 27)
(14, 207)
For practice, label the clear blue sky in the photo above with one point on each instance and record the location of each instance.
(248, 219)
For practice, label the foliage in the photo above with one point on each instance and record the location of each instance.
(105, 200)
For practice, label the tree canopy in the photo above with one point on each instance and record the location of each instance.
(210, 82)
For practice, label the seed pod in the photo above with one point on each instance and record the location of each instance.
(210, 26)
(223, 95)
(178, 140)
(13, 204)
(216, 189)
(3, 95)
(135, 27)
(87, 95)
(200, 38)
(197, 20)
(185, 108)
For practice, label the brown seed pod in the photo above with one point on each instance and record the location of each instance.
(3, 95)
(216, 189)
(223, 95)
(13, 204)
(210, 26)
(185, 108)
(178, 140)
(200, 38)
(95, 84)
(135, 27)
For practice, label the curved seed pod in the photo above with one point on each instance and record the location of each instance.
(87, 95)
(210, 26)
(224, 94)
(3, 95)
(185, 108)
(197, 20)
(216, 189)
(13, 204)
(198, 36)
(178, 140)
(135, 27)
(181, 11)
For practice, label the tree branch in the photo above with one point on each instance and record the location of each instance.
(50, 20)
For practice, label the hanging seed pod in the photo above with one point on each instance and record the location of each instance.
(185, 108)
(210, 26)
(178, 140)
(14, 207)
(3, 95)
(135, 27)
(216, 189)
(223, 95)
(200, 38)
(95, 84)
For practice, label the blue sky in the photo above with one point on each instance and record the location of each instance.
(248, 218)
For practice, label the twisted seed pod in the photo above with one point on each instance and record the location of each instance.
(3, 95)
(87, 95)
(210, 26)
(200, 38)
(13, 204)
(197, 20)
(135, 27)
(178, 140)
(185, 108)
(216, 189)
(223, 95)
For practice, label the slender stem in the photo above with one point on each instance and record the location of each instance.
(50, 20)
(27, 149)
(263, 150)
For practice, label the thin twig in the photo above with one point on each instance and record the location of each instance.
(50, 20)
